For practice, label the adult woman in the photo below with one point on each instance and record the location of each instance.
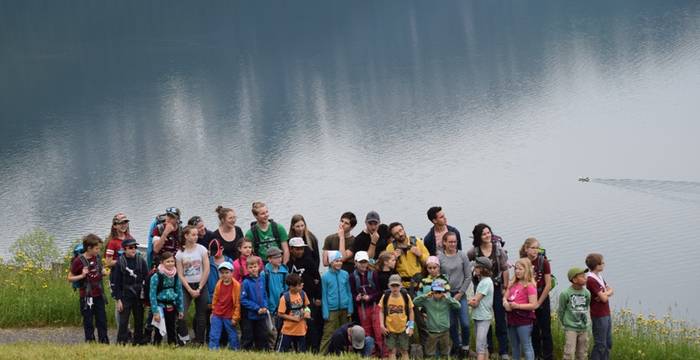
(485, 244)
(456, 266)
(297, 228)
(228, 233)
(118, 233)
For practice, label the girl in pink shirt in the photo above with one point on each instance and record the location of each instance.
(520, 303)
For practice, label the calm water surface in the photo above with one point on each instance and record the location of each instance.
(491, 109)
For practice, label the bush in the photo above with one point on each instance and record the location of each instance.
(35, 248)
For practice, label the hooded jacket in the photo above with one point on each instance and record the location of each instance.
(336, 293)
(275, 285)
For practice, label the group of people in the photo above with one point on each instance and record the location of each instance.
(384, 293)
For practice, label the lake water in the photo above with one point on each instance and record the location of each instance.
(492, 109)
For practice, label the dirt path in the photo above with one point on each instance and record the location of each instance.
(61, 335)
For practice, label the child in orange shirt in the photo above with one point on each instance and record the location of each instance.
(293, 309)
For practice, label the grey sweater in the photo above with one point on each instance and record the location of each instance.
(458, 269)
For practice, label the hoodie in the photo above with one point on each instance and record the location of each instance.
(308, 270)
(254, 296)
(336, 293)
(275, 286)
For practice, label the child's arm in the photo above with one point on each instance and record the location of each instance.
(381, 316)
(411, 317)
(205, 271)
(236, 316)
(420, 300)
(474, 301)
(324, 297)
(181, 275)
(453, 302)
(531, 299)
(246, 302)
(179, 302)
(563, 301)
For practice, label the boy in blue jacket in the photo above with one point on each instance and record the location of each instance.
(336, 298)
(275, 274)
(254, 300)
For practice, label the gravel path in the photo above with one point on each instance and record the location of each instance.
(61, 335)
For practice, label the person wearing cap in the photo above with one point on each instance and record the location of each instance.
(204, 235)
(275, 274)
(216, 258)
(350, 338)
(373, 238)
(397, 319)
(166, 235)
(411, 255)
(127, 282)
(433, 239)
(482, 302)
(226, 308)
(336, 298)
(438, 304)
(574, 305)
(117, 234)
(424, 286)
(342, 241)
(307, 268)
(266, 233)
(364, 285)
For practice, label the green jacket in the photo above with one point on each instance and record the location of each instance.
(574, 306)
(438, 311)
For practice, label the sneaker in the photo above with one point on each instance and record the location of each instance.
(505, 357)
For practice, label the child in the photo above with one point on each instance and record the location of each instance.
(600, 307)
(432, 266)
(293, 314)
(397, 318)
(307, 267)
(240, 269)
(254, 300)
(336, 298)
(217, 258)
(87, 269)
(541, 331)
(226, 308)
(482, 302)
(386, 266)
(365, 293)
(520, 302)
(574, 304)
(275, 274)
(193, 271)
(437, 304)
(166, 297)
(128, 278)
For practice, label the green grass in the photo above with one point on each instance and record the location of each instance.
(47, 299)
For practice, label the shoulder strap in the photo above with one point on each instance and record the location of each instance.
(240, 268)
(385, 302)
(288, 302)
(358, 282)
(256, 238)
(404, 295)
(122, 264)
(370, 282)
(275, 232)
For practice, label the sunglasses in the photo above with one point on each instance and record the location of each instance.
(394, 285)
(121, 222)
(130, 247)
(194, 220)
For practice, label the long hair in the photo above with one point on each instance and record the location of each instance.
(184, 232)
(305, 235)
(113, 230)
(528, 242)
(527, 274)
(383, 257)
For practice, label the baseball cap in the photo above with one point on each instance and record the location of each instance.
(394, 280)
(129, 242)
(274, 252)
(297, 242)
(361, 256)
(334, 255)
(357, 334)
(193, 221)
(484, 262)
(575, 271)
(438, 285)
(119, 218)
(372, 216)
(173, 211)
(433, 260)
(225, 265)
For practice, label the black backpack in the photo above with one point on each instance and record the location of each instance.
(256, 237)
(385, 302)
(133, 286)
(84, 283)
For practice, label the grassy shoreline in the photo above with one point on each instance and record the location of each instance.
(49, 301)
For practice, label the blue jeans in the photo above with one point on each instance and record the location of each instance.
(369, 347)
(499, 313)
(217, 323)
(602, 335)
(521, 335)
(459, 321)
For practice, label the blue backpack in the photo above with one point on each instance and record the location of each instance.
(77, 251)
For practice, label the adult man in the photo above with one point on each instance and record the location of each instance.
(433, 240)
(350, 338)
(204, 236)
(342, 241)
(265, 233)
(373, 238)
(411, 255)
(307, 268)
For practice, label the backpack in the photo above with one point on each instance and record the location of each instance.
(497, 252)
(385, 302)
(77, 251)
(540, 269)
(412, 241)
(256, 237)
(158, 220)
(125, 274)
(358, 282)
(87, 284)
(161, 285)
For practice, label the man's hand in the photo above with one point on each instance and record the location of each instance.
(416, 251)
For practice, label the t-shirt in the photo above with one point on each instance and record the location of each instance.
(114, 248)
(93, 276)
(363, 240)
(485, 309)
(539, 278)
(498, 257)
(204, 240)
(332, 242)
(224, 301)
(230, 247)
(192, 262)
(267, 239)
(520, 294)
(294, 328)
(396, 319)
(598, 308)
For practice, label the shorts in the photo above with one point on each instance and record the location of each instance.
(396, 341)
